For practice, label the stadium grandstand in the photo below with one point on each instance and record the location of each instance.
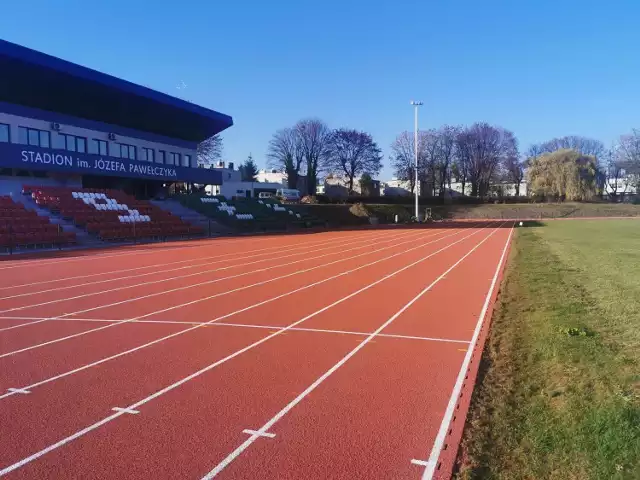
(82, 153)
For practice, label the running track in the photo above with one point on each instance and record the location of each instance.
(343, 355)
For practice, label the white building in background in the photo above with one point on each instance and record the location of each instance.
(272, 176)
(625, 185)
(233, 186)
(396, 187)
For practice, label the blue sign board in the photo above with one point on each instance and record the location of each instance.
(35, 158)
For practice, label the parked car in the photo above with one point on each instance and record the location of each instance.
(288, 194)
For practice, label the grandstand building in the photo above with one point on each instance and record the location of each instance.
(64, 124)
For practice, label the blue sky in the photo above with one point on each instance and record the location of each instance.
(540, 68)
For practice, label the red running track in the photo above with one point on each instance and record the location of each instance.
(337, 355)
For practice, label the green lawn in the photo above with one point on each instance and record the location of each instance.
(558, 395)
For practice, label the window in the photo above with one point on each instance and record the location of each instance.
(4, 133)
(161, 156)
(72, 143)
(127, 151)
(187, 161)
(34, 137)
(174, 159)
(147, 154)
(99, 147)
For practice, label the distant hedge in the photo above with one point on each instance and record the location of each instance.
(408, 200)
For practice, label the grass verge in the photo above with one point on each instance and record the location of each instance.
(558, 393)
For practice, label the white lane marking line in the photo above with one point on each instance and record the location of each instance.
(422, 463)
(204, 272)
(130, 411)
(247, 443)
(181, 332)
(457, 388)
(327, 246)
(119, 322)
(248, 325)
(59, 444)
(56, 340)
(22, 391)
(273, 279)
(260, 434)
(26, 324)
(222, 255)
(214, 243)
(175, 385)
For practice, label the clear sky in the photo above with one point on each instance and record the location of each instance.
(541, 68)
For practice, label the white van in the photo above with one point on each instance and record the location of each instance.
(288, 194)
(265, 195)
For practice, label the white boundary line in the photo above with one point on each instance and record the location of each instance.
(195, 274)
(134, 406)
(196, 264)
(247, 443)
(120, 322)
(432, 463)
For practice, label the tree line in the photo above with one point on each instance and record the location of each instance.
(478, 156)
(311, 148)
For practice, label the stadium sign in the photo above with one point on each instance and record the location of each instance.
(35, 158)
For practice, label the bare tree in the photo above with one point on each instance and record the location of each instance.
(461, 166)
(285, 153)
(210, 151)
(485, 147)
(354, 153)
(445, 155)
(628, 157)
(429, 145)
(583, 145)
(403, 157)
(514, 170)
(314, 137)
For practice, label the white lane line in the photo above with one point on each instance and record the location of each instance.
(119, 322)
(126, 410)
(267, 426)
(255, 305)
(457, 388)
(209, 282)
(177, 384)
(19, 390)
(61, 339)
(204, 272)
(26, 324)
(265, 327)
(422, 463)
(260, 434)
(199, 264)
(142, 250)
(222, 255)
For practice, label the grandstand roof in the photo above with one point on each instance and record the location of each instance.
(41, 81)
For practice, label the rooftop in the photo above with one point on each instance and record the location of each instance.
(37, 80)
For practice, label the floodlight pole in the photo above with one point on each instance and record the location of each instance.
(416, 104)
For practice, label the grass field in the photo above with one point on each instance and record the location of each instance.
(558, 394)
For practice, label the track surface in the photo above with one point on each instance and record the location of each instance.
(337, 355)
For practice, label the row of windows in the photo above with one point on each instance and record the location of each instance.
(72, 143)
